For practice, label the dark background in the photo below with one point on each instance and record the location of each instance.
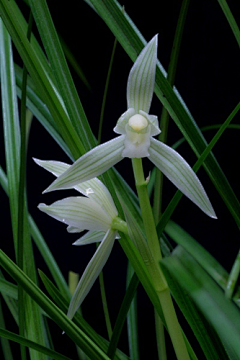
(208, 80)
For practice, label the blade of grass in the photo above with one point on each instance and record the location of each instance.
(22, 211)
(132, 325)
(41, 79)
(73, 62)
(41, 244)
(61, 72)
(8, 288)
(221, 314)
(208, 262)
(10, 300)
(105, 91)
(232, 22)
(39, 110)
(122, 314)
(207, 339)
(6, 349)
(77, 335)
(63, 304)
(132, 41)
(5, 334)
(32, 324)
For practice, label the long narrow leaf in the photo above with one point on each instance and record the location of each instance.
(41, 244)
(33, 320)
(31, 344)
(61, 71)
(43, 82)
(77, 335)
(230, 18)
(63, 304)
(218, 311)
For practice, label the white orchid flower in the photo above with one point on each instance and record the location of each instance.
(95, 213)
(137, 128)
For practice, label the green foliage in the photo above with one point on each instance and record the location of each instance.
(204, 292)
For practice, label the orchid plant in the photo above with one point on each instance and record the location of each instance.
(97, 213)
(183, 283)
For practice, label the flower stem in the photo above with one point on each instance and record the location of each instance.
(157, 276)
(147, 216)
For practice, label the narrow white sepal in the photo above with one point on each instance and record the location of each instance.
(93, 188)
(91, 272)
(141, 78)
(92, 164)
(79, 212)
(178, 171)
(90, 237)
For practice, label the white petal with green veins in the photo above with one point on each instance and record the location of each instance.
(91, 272)
(141, 79)
(79, 212)
(90, 237)
(178, 171)
(91, 164)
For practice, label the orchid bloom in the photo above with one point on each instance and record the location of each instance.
(137, 128)
(95, 213)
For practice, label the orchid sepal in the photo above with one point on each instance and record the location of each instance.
(90, 165)
(179, 172)
(92, 271)
(141, 80)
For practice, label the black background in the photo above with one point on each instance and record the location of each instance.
(208, 80)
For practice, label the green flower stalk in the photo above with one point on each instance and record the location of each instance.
(94, 212)
(136, 128)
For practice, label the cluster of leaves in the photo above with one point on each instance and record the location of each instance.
(203, 290)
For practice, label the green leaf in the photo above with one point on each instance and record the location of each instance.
(40, 111)
(77, 335)
(41, 244)
(8, 288)
(32, 319)
(63, 304)
(219, 313)
(41, 78)
(61, 72)
(31, 344)
(132, 319)
(6, 349)
(122, 314)
(232, 22)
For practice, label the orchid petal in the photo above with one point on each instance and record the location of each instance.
(91, 272)
(94, 188)
(94, 163)
(79, 212)
(141, 79)
(90, 237)
(178, 171)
